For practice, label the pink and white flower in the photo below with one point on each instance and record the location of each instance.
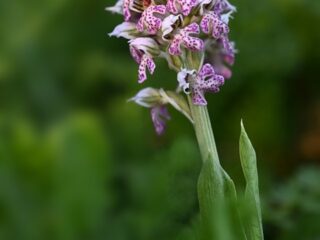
(143, 50)
(206, 80)
(149, 21)
(183, 38)
(181, 6)
(212, 24)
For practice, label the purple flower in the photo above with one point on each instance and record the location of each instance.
(183, 6)
(171, 29)
(159, 116)
(212, 24)
(149, 21)
(183, 38)
(220, 59)
(142, 50)
(206, 80)
(157, 100)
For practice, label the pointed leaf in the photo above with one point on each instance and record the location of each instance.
(249, 166)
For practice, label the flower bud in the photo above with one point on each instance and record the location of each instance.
(148, 97)
(151, 98)
(126, 30)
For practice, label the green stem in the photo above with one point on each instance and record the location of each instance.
(204, 133)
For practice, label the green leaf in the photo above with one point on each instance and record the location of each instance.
(234, 207)
(249, 165)
(211, 196)
(218, 204)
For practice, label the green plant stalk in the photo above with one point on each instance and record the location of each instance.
(204, 133)
(211, 183)
(205, 138)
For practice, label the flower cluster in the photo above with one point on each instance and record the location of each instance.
(192, 35)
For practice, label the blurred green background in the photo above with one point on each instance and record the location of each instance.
(79, 162)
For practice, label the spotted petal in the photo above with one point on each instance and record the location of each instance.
(212, 24)
(181, 6)
(229, 49)
(213, 84)
(206, 81)
(206, 71)
(149, 21)
(198, 97)
(184, 38)
(126, 9)
(146, 63)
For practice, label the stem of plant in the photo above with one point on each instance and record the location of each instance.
(211, 192)
(204, 133)
(206, 141)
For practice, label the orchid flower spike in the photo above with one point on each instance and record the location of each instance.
(191, 35)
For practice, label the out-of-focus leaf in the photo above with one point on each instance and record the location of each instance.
(218, 204)
(249, 165)
(210, 194)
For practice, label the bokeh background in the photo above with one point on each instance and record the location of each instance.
(79, 162)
